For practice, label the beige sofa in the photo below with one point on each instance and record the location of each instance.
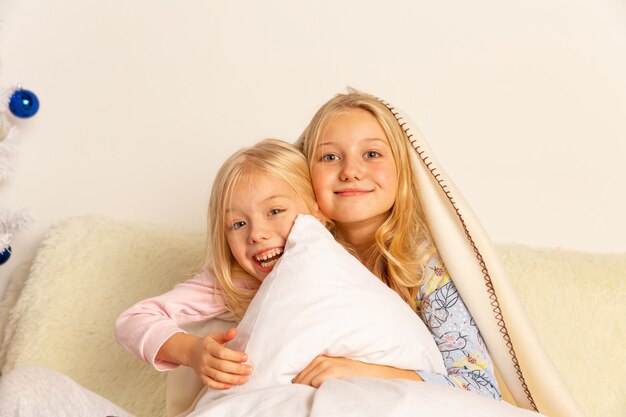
(59, 311)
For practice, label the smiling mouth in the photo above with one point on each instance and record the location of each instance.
(351, 192)
(268, 259)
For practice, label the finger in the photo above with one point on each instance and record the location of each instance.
(211, 383)
(230, 367)
(307, 374)
(225, 377)
(310, 376)
(221, 352)
(322, 372)
(300, 377)
(318, 379)
(223, 337)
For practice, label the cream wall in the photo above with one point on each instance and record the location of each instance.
(524, 102)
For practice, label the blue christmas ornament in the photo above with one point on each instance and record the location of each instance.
(24, 103)
(5, 254)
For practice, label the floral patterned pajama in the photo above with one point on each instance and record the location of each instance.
(458, 339)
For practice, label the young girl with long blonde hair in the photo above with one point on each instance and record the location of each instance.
(365, 184)
(256, 196)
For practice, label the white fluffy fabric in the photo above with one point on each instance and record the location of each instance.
(89, 269)
(39, 392)
(576, 302)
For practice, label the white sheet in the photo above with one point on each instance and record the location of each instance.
(359, 397)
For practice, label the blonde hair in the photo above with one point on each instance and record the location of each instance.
(402, 244)
(275, 158)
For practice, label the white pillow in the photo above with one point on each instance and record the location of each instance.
(319, 299)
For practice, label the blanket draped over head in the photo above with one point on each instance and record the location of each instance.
(528, 378)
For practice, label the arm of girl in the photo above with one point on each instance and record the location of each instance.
(151, 329)
(217, 366)
(465, 356)
(324, 367)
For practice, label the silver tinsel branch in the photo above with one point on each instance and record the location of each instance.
(8, 136)
(10, 222)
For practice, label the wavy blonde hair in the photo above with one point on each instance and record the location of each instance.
(402, 244)
(274, 158)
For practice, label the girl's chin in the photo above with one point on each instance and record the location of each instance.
(261, 273)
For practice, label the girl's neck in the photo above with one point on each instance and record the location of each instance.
(359, 235)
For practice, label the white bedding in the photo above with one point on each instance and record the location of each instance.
(359, 397)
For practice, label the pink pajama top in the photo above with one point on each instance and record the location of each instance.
(146, 326)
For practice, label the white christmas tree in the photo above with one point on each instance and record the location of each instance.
(10, 221)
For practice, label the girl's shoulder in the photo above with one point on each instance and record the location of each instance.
(207, 277)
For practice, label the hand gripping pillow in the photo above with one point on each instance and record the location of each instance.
(319, 299)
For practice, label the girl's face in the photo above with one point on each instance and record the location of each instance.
(258, 221)
(353, 171)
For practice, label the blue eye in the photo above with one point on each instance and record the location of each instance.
(274, 212)
(329, 157)
(238, 225)
(372, 154)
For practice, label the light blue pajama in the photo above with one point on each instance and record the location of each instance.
(458, 339)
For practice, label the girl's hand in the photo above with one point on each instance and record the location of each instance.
(217, 366)
(324, 367)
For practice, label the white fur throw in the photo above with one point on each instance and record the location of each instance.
(60, 314)
(86, 272)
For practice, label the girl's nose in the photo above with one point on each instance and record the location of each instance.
(258, 233)
(351, 170)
